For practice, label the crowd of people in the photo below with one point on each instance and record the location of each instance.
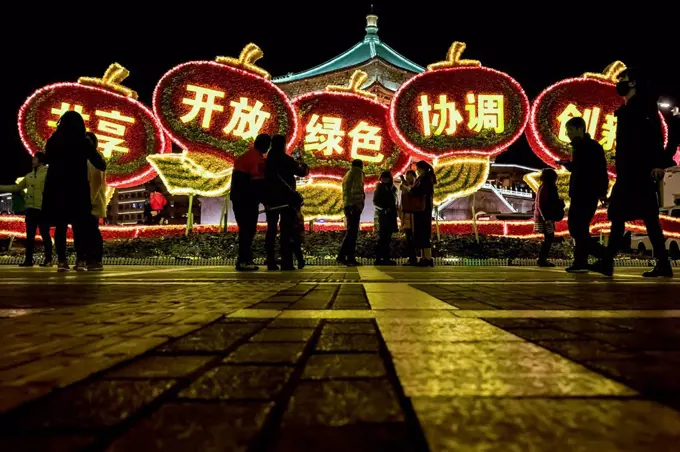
(640, 160)
(67, 186)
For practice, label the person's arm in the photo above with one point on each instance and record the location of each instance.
(14, 188)
(300, 168)
(94, 157)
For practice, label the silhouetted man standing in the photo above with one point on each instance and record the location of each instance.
(353, 200)
(246, 193)
(587, 185)
(640, 163)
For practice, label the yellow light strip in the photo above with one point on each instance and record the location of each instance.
(112, 79)
(453, 58)
(246, 60)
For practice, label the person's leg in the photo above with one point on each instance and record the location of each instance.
(343, 253)
(31, 227)
(81, 242)
(548, 238)
(251, 230)
(241, 223)
(60, 241)
(97, 244)
(578, 224)
(47, 240)
(287, 226)
(658, 240)
(410, 246)
(270, 238)
(618, 229)
(352, 235)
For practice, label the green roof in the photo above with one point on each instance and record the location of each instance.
(371, 47)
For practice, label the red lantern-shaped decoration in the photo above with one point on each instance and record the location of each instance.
(591, 96)
(458, 108)
(219, 107)
(127, 130)
(345, 123)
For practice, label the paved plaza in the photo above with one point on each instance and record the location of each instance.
(335, 359)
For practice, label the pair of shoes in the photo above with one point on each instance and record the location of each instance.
(425, 263)
(578, 268)
(26, 264)
(341, 260)
(659, 271)
(545, 264)
(47, 263)
(63, 266)
(272, 267)
(95, 267)
(604, 267)
(81, 266)
(246, 267)
(301, 264)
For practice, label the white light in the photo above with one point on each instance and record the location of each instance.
(665, 105)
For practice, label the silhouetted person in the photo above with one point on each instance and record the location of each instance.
(385, 203)
(547, 209)
(406, 215)
(353, 197)
(34, 184)
(588, 185)
(93, 256)
(423, 191)
(640, 163)
(246, 194)
(284, 203)
(66, 199)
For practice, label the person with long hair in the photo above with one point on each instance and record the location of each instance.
(546, 210)
(66, 198)
(283, 202)
(94, 255)
(406, 217)
(423, 188)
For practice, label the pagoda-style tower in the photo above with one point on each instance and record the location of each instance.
(386, 68)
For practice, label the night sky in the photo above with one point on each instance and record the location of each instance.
(535, 47)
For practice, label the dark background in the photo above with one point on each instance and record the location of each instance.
(536, 46)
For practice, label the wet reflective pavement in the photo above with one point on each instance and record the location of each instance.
(388, 358)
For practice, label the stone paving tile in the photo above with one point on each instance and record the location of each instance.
(214, 338)
(348, 343)
(544, 334)
(356, 365)
(393, 437)
(349, 328)
(199, 427)
(342, 402)
(585, 350)
(267, 353)
(14, 396)
(294, 323)
(46, 443)
(239, 382)
(160, 367)
(638, 341)
(283, 335)
(96, 404)
(497, 424)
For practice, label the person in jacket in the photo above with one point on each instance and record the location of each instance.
(423, 188)
(385, 203)
(588, 186)
(34, 184)
(284, 203)
(640, 164)
(92, 258)
(546, 208)
(246, 194)
(66, 199)
(353, 197)
(407, 181)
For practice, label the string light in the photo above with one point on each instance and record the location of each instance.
(447, 74)
(236, 83)
(352, 108)
(145, 138)
(183, 175)
(459, 177)
(590, 90)
(533, 180)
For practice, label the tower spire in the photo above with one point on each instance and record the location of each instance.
(372, 25)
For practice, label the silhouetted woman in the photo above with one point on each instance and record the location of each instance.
(546, 210)
(66, 198)
(284, 203)
(423, 188)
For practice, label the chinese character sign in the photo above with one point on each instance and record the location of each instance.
(126, 130)
(592, 97)
(458, 110)
(338, 127)
(214, 108)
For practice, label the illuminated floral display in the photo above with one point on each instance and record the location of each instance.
(127, 130)
(345, 123)
(593, 97)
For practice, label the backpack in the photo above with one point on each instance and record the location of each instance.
(557, 213)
